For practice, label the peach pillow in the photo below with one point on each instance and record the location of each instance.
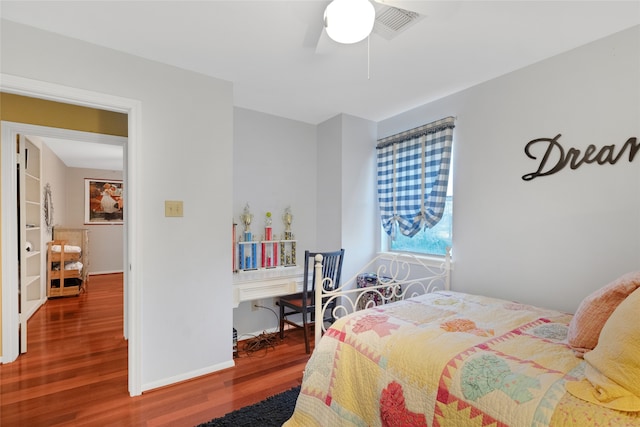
(595, 309)
(613, 367)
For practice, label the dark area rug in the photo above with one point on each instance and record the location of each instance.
(271, 412)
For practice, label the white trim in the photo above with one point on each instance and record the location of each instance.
(133, 208)
(69, 95)
(67, 134)
(188, 375)
(10, 315)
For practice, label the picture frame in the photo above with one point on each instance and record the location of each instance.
(103, 201)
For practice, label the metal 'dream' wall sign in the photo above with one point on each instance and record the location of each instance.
(573, 156)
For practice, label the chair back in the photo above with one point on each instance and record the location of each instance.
(331, 268)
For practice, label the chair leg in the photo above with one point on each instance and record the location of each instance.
(281, 321)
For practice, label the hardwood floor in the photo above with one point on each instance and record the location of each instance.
(75, 371)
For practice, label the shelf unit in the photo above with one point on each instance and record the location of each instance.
(257, 255)
(61, 282)
(266, 268)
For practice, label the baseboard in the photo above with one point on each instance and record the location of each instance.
(98, 273)
(187, 376)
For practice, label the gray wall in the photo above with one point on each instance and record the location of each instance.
(550, 241)
(274, 166)
(185, 147)
(553, 240)
(326, 173)
(347, 198)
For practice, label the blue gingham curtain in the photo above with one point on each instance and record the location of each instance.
(413, 173)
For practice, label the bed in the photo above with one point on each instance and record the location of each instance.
(435, 357)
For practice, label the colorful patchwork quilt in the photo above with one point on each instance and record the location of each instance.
(447, 359)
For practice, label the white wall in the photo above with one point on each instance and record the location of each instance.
(186, 154)
(553, 240)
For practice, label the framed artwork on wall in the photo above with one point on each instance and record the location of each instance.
(103, 201)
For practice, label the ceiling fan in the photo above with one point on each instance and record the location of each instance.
(351, 21)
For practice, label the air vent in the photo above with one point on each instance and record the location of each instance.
(391, 21)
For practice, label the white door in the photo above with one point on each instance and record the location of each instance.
(30, 287)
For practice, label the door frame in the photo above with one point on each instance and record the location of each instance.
(133, 211)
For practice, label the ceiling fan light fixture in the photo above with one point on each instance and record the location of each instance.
(349, 21)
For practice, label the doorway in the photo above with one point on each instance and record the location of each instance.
(68, 184)
(132, 299)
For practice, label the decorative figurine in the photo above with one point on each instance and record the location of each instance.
(269, 247)
(287, 218)
(246, 219)
(268, 231)
(288, 245)
(247, 256)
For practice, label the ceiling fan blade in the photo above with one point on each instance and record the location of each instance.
(315, 28)
(325, 44)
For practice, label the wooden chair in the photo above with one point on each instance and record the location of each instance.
(304, 302)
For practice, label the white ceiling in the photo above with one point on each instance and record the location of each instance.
(84, 154)
(279, 64)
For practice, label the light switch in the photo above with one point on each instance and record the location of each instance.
(173, 208)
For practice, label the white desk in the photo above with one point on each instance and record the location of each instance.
(266, 283)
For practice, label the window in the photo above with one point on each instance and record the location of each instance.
(429, 241)
(413, 188)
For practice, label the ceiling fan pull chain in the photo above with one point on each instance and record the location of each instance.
(369, 57)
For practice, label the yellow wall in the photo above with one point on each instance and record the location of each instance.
(22, 109)
(34, 111)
